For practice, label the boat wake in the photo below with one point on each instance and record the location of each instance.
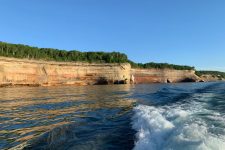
(178, 127)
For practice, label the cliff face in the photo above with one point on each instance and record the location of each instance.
(163, 75)
(45, 73)
(29, 72)
(210, 78)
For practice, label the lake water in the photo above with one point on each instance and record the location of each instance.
(187, 116)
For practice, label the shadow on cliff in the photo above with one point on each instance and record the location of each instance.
(105, 81)
(188, 80)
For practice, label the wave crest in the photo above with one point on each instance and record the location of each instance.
(172, 128)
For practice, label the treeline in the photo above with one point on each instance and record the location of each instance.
(24, 51)
(160, 66)
(213, 73)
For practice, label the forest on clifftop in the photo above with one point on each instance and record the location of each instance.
(50, 54)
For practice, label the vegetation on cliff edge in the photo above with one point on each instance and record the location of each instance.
(218, 74)
(24, 51)
(160, 66)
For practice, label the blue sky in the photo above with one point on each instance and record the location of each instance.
(190, 32)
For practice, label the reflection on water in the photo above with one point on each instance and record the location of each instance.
(48, 116)
(187, 115)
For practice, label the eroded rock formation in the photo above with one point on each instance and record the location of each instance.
(210, 78)
(46, 73)
(164, 76)
(31, 72)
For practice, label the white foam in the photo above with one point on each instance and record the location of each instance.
(173, 128)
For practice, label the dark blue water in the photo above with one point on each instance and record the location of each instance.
(143, 117)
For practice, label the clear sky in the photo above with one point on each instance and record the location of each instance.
(190, 32)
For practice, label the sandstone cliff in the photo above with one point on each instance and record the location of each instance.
(32, 72)
(210, 78)
(164, 75)
(46, 73)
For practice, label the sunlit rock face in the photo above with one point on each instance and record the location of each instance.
(32, 72)
(46, 73)
(163, 75)
(209, 78)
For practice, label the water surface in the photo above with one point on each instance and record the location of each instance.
(143, 117)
